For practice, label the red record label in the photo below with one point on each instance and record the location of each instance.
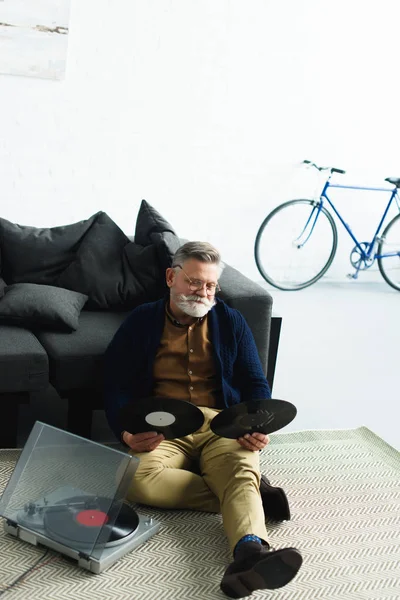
(92, 518)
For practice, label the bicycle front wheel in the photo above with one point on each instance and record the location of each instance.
(296, 244)
(389, 254)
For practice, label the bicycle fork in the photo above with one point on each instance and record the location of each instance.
(317, 206)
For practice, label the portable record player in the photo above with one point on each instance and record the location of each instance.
(67, 493)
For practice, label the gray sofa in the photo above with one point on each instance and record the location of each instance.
(67, 354)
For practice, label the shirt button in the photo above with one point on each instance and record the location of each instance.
(190, 372)
(191, 350)
(191, 387)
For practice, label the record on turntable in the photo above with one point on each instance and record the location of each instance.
(263, 416)
(81, 519)
(173, 418)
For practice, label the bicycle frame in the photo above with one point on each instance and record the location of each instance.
(365, 253)
(296, 220)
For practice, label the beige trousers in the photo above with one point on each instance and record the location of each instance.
(229, 482)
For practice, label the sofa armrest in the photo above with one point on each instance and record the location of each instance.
(255, 304)
(276, 324)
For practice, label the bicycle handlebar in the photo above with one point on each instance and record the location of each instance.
(331, 169)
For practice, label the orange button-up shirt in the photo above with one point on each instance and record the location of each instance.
(184, 365)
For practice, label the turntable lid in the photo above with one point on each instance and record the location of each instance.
(55, 466)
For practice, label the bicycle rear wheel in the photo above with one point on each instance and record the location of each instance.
(296, 244)
(389, 266)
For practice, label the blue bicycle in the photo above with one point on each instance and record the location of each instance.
(297, 241)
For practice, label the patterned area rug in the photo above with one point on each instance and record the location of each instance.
(344, 492)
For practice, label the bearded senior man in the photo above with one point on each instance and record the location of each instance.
(191, 346)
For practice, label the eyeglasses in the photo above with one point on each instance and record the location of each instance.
(197, 284)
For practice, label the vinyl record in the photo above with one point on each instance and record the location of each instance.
(264, 416)
(80, 520)
(173, 418)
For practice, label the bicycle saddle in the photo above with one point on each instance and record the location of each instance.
(394, 180)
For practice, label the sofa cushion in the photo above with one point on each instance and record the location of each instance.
(2, 287)
(143, 262)
(23, 361)
(166, 244)
(93, 257)
(153, 230)
(149, 221)
(98, 269)
(76, 359)
(37, 254)
(41, 306)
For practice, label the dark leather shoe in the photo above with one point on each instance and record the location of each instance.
(275, 502)
(259, 567)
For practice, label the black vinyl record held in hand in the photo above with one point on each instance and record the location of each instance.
(173, 418)
(264, 416)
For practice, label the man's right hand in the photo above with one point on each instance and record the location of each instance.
(142, 442)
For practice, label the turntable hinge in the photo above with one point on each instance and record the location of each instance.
(12, 527)
(84, 560)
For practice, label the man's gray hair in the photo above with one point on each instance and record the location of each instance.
(202, 251)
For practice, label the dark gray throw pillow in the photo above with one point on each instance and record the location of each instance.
(2, 287)
(142, 268)
(153, 229)
(40, 255)
(97, 268)
(149, 221)
(36, 306)
(166, 244)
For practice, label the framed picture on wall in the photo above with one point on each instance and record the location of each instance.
(34, 37)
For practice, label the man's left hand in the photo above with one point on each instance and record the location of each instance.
(254, 441)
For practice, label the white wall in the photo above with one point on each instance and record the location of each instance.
(204, 108)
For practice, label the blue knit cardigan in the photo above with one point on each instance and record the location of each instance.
(130, 357)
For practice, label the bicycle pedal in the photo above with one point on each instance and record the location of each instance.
(352, 276)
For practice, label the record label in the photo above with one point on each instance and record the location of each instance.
(160, 418)
(91, 518)
(169, 416)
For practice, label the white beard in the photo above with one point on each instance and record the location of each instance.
(193, 306)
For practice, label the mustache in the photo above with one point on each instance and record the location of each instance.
(193, 298)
